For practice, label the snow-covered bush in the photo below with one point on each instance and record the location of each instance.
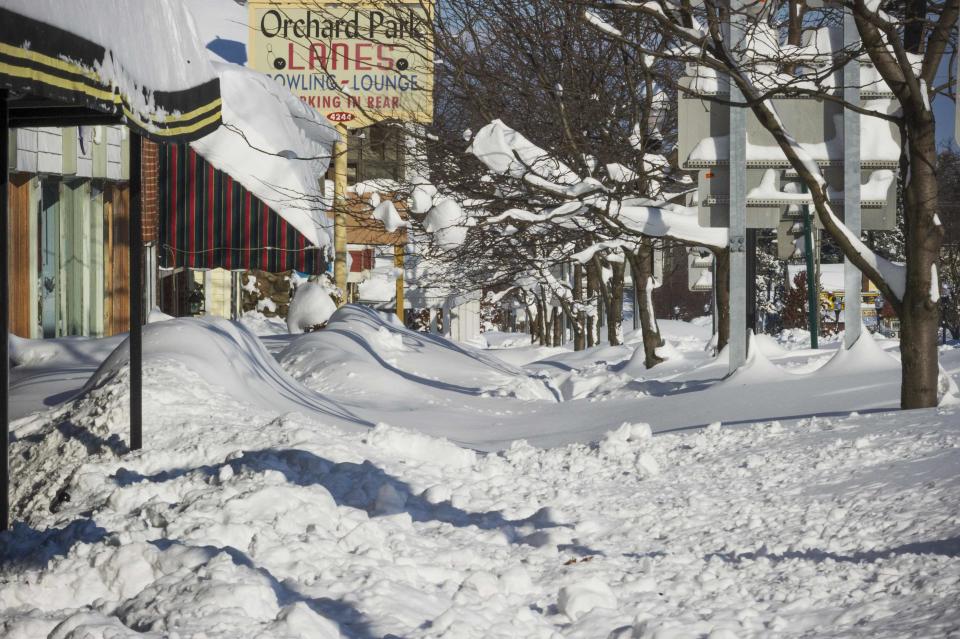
(311, 307)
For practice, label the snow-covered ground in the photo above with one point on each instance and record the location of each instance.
(313, 486)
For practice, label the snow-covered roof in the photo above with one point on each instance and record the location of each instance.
(275, 146)
(831, 276)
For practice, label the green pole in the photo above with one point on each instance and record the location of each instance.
(812, 305)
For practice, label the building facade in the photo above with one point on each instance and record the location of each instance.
(68, 225)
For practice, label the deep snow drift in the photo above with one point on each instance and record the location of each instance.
(298, 496)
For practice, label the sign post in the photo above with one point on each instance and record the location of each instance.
(813, 305)
(398, 253)
(355, 61)
(852, 218)
(738, 215)
(745, 181)
(340, 213)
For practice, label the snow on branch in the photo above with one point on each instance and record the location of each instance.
(507, 152)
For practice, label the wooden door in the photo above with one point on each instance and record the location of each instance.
(118, 251)
(18, 232)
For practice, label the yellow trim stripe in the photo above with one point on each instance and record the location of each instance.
(172, 131)
(57, 81)
(73, 85)
(80, 87)
(192, 114)
(50, 61)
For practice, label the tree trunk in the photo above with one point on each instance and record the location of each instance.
(537, 327)
(591, 317)
(615, 304)
(531, 323)
(721, 260)
(557, 326)
(544, 323)
(919, 313)
(579, 324)
(642, 264)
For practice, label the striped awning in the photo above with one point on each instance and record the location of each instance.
(43, 61)
(209, 220)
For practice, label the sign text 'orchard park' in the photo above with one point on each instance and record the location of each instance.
(356, 62)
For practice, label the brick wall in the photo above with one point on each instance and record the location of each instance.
(150, 190)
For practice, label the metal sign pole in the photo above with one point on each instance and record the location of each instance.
(852, 280)
(4, 318)
(135, 237)
(751, 280)
(809, 249)
(738, 214)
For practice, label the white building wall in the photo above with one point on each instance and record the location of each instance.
(26, 150)
(85, 151)
(49, 150)
(113, 139)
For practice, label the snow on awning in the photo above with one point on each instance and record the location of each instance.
(276, 146)
(145, 65)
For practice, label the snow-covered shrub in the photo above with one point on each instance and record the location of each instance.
(310, 308)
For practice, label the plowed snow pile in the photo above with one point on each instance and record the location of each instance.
(288, 528)
(262, 508)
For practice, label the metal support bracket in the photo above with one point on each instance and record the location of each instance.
(737, 244)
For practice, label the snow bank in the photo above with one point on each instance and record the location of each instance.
(156, 315)
(225, 356)
(580, 598)
(844, 525)
(758, 369)
(259, 324)
(62, 352)
(364, 354)
(864, 356)
(496, 340)
(421, 448)
(241, 520)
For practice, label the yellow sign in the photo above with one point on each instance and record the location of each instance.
(356, 62)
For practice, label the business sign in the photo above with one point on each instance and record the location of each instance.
(355, 62)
